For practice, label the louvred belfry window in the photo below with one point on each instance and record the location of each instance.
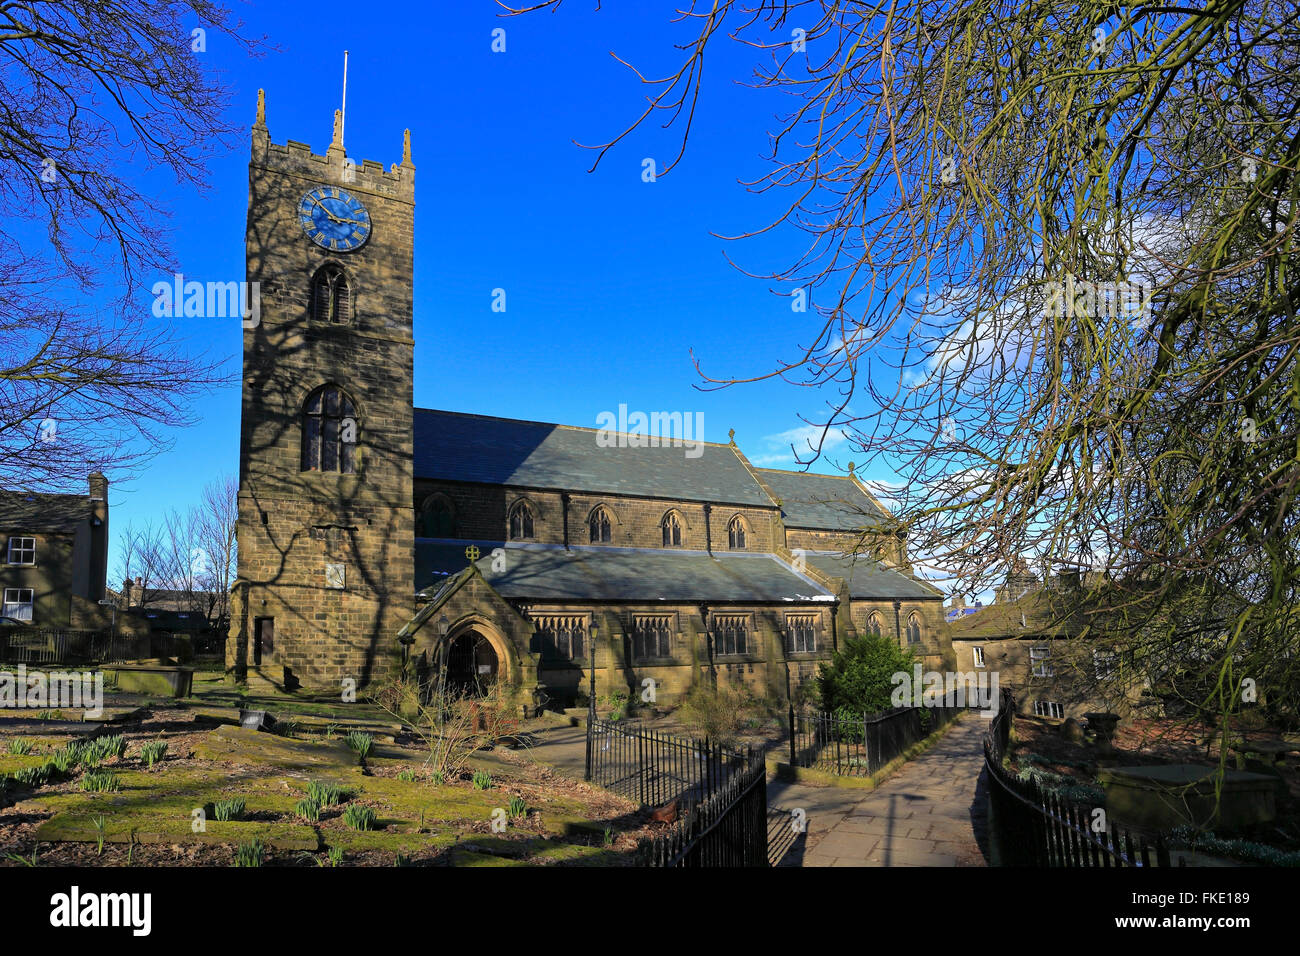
(329, 432)
(331, 299)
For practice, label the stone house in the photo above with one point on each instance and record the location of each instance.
(1047, 642)
(55, 557)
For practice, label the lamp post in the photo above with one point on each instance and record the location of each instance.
(443, 626)
(591, 695)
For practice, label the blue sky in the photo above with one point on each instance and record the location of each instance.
(610, 281)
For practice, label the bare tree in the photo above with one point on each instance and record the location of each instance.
(91, 93)
(186, 561)
(986, 191)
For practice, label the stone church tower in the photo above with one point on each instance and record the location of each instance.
(325, 527)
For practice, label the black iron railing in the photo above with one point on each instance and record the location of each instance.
(859, 746)
(654, 768)
(728, 829)
(38, 645)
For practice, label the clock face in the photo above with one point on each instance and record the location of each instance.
(334, 219)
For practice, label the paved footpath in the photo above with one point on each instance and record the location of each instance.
(930, 812)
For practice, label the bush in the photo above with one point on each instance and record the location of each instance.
(719, 715)
(858, 680)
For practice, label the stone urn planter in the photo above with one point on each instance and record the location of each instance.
(1103, 723)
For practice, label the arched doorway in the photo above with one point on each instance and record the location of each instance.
(472, 664)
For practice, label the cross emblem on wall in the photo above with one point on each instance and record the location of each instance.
(472, 552)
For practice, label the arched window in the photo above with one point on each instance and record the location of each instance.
(329, 431)
(600, 526)
(914, 628)
(521, 521)
(672, 528)
(331, 296)
(437, 517)
(875, 625)
(736, 534)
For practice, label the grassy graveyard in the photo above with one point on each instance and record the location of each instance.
(184, 785)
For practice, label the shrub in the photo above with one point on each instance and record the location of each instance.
(21, 746)
(450, 724)
(859, 678)
(100, 781)
(226, 810)
(153, 752)
(326, 794)
(719, 715)
(308, 809)
(482, 780)
(358, 817)
(249, 854)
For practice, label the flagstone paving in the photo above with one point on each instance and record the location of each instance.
(928, 813)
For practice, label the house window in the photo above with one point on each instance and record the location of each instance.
(329, 431)
(672, 528)
(331, 298)
(521, 521)
(18, 603)
(875, 625)
(1038, 655)
(651, 636)
(22, 550)
(561, 637)
(736, 534)
(978, 653)
(803, 633)
(731, 633)
(1048, 708)
(1103, 662)
(599, 526)
(914, 628)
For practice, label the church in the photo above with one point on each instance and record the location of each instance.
(374, 535)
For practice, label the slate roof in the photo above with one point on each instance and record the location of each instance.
(455, 446)
(868, 578)
(1045, 612)
(43, 513)
(821, 502)
(549, 573)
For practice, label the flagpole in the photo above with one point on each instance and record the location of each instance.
(343, 114)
